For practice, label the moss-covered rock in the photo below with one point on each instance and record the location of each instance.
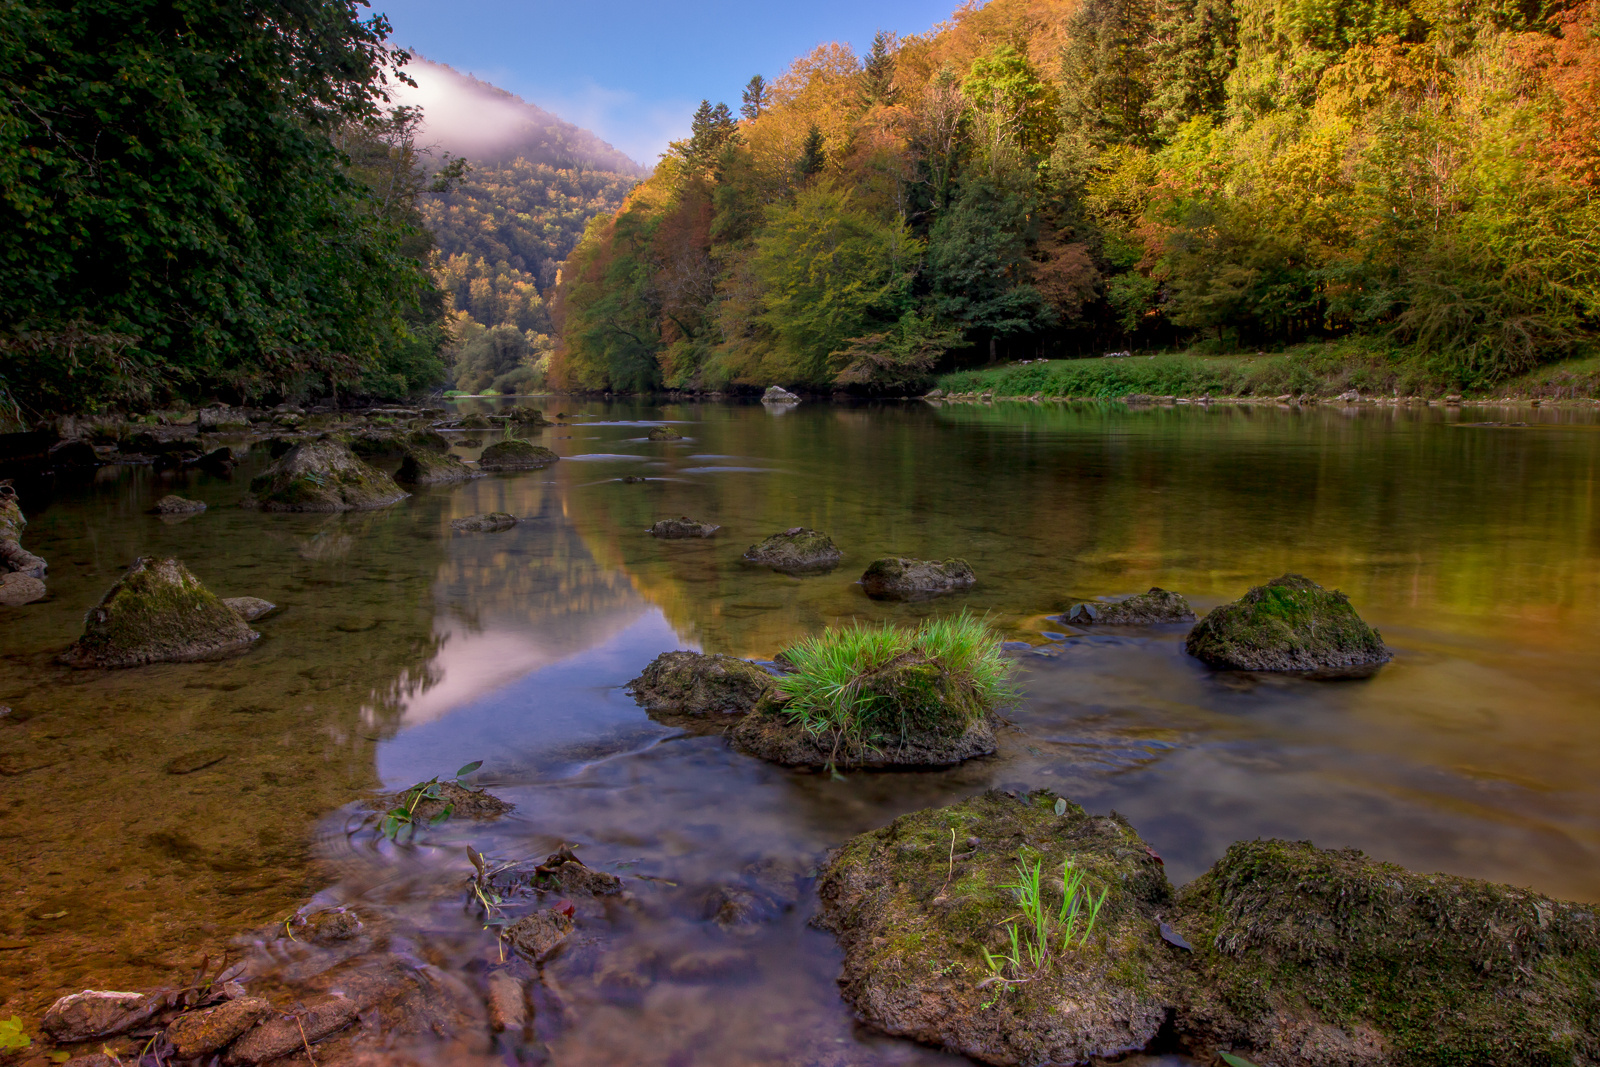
(665, 433)
(475, 421)
(424, 467)
(323, 475)
(796, 550)
(699, 686)
(1154, 608)
(899, 578)
(427, 441)
(493, 522)
(173, 504)
(1289, 624)
(916, 904)
(157, 612)
(528, 418)
(1325, 957)
(462, 802)
(516, 455)
(671, 529)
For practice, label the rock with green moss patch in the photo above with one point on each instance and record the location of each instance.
(528, 418)
(516, 455)
(424, 467)
(462, 802)
(157, 612)
(699, 686)
(475, 421)
(493, 522)
(1154, 608)
(675, 529)
(427, 440)
(917, 904)
(796, 550)
(1324, 957)
(899, 578)
(665, 433)
(322, 475)
(1289, 624)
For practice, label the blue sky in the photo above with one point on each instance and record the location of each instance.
(633, 71)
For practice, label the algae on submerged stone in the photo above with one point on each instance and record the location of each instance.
(157, 612)
(797, 550)
(1289, 624)
(515, 455)
(323, 475)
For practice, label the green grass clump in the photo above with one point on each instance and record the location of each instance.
(884, 683)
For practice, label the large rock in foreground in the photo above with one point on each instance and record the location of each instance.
(515, 455)
(323, 475)
(1289, 624)
(699, 686)
(796, 550)
(916, 904)
(1154, 608)
(899, 578)
(157, 612)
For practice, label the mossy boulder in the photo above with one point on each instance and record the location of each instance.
(493, 522)
(699, 686)
(516, 455)
(461, 801)
(173, 504)
(916, 904)
(323, 475)
(1289, 624)
(665, 433)
(427, 441)
(475, 421)
(157, 612)
(1324, 957)
(797, 550)
(899, 578)
(672, 529)
(528, 418)
(424, 467)
(1154, 608)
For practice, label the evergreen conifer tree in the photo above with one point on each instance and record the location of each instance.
(755, 98)
(877, 76)
(812, 156)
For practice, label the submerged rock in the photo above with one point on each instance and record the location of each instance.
(515, 455)
(157, 612)
(281, 1036)
(427, 441)
(796, 550)
(1147, 609)
(425, 467)
(916, 905)
(97, 1013)
(665, 433)
(671, 529)
(323, 475)
(699, 685)
(1289, 624)
(528, 417)
(769, 734)
(18, 589)
(899, 578)
(777, 394)
(198, 1033)
(540, 934)
(464, 803)
(475, 421)
(250, 608)
(173, 504)
(490, 523)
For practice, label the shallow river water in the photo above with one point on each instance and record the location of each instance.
(148, 816)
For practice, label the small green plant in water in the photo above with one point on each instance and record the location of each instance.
(1035, 933)
(400, 822)
(882, 683)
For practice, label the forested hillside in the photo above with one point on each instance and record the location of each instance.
(1061, 176)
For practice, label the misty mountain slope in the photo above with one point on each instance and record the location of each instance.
(486, 124)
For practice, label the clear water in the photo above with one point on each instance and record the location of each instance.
(403, 650)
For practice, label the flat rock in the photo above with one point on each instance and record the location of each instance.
(515, 455)
(157, 612)
(172, 504)
(507, 1001)
(250, 607)
(282, 1036)
(899, 578)
(197, 1033)
(425, 467)
(796, 550)
(97, 1013)
(671, 529)
(323, 475)
(17, 589)
(1289, 624)
(1154, 608)
(699, 685)
(490, 523)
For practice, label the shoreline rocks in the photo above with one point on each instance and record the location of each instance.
(515, 455)
(1155, 608)
(157, 612)
(796, 550)
(1289, 624)
(14, 558)
(899, 578)
(698, 686)
(322, 476)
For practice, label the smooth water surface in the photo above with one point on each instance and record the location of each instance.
(150, 815)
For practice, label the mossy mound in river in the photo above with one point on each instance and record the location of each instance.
(796, 550)
(323, 475)
(1154, 608)
(674, 529)
(699, 686)
(1325, 957)
(899, 578)
(425, 467)
(917, 904)
(1289, 624)
(157, 612)
(516, 455)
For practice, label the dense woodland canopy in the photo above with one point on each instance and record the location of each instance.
(1061, 176)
